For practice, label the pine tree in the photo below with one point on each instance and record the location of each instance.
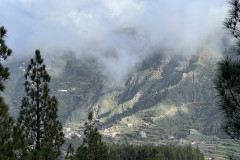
(143, 155)
(92, 147)
(227, 81)
(13, 143)
(5, 52)
(70, 153)
(12, 140)
(38, 113)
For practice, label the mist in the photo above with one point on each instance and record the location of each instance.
(119, 33)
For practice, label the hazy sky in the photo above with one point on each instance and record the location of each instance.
(119, 32)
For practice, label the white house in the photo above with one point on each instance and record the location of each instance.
(143, 134)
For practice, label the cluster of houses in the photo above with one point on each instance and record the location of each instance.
(110, 132)
(70, 133)
(129, 124)
(183, 142)
(145, 123)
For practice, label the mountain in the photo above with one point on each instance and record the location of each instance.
(169, 99)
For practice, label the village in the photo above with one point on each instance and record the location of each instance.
(111, 132)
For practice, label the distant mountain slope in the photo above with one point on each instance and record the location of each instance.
(167, 99)
(178, 88)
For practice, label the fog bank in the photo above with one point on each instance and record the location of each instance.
(119, 33)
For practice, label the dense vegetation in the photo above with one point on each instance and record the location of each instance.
(93, 147)
(154, 153)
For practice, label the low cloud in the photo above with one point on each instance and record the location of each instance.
(120, 33)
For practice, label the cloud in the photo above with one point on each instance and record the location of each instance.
(120, 33)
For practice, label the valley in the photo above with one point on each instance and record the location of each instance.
(168, 100)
